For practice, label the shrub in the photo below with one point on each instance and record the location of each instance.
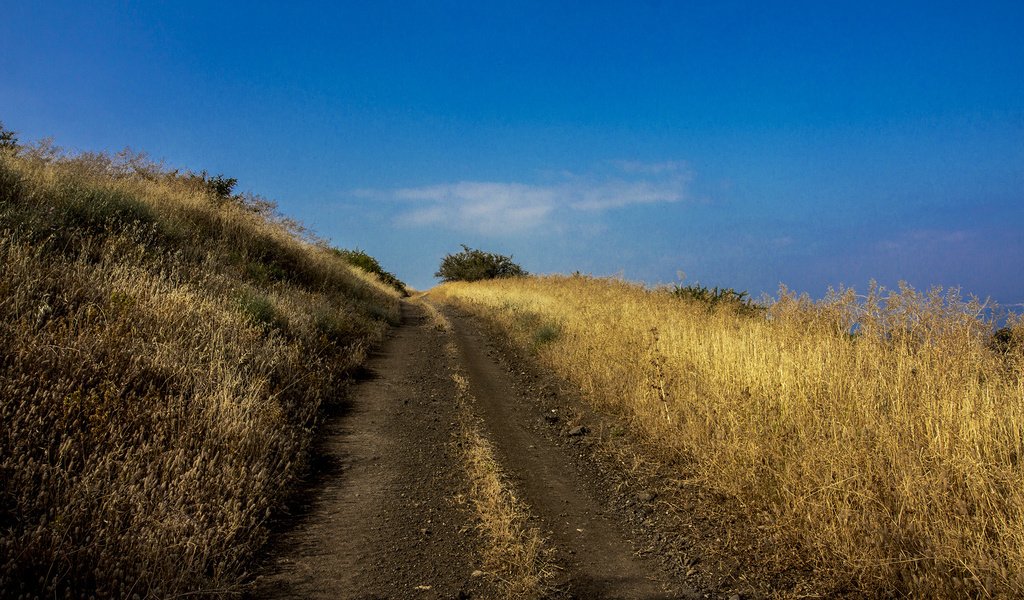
(337, 327)
(716, 297)
(476, 265)
(1007, 339)
(260, 310)
(218, 186)
(364, 261)
(8, 139)
(545, 334)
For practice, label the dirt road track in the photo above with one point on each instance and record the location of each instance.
(383, 517)
(589, 541)
(385, 512)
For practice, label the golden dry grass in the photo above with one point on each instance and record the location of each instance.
(440, 322)
(893, 453)
(514, 553)
(163, 354)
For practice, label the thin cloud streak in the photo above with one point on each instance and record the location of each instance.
(914, 239)
(483, 207)
(502, 208)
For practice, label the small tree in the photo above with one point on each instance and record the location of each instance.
(474, 265)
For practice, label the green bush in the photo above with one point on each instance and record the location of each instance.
(1007, 339)
(476, 265)
(545, 334)
(220, 187)
(364, 261)
(716, 297)
(261, 310)
(336, 327)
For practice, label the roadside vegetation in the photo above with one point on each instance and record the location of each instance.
(364, 261)
(165, 345)
(514, 553)
(884, 432)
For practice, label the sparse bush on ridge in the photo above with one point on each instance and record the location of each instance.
(893, 455)
(164, 351)
(716, 297)
(370, 264)
(8, 139)
(220, 186)
(476, 265)
(1009, 338)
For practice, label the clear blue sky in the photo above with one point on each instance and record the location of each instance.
(744, 143)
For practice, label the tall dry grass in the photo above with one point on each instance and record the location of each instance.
(163, 354)
(885, 431)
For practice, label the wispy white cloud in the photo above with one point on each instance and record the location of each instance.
(485, 207)
(916, 238)
(495, 208)
(617, 194)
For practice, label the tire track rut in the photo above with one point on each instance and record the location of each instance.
(598, 559)
(385, 513)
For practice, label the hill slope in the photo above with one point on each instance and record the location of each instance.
(882, 433)
(164, 348)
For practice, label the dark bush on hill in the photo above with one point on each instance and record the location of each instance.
(220, 186)
(717, 297)
(475, 265)
(1007, 339)
(8, 139)
(364, 261)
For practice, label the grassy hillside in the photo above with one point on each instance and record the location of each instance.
(885, 432)
(164, 348)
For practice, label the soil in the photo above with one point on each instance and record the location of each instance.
(385, 510)
(598, 559)
(384, 513)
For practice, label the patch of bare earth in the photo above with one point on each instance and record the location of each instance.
(384, 514)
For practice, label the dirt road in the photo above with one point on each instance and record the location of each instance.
(387, 512)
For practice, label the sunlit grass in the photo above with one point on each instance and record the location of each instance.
(163, 354)
(884, 431)
(514, 552)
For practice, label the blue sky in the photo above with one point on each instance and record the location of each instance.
(743, 143)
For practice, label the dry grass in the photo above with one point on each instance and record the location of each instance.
(893, 452)
(440, 322)
(514, 553)
(163, 354)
